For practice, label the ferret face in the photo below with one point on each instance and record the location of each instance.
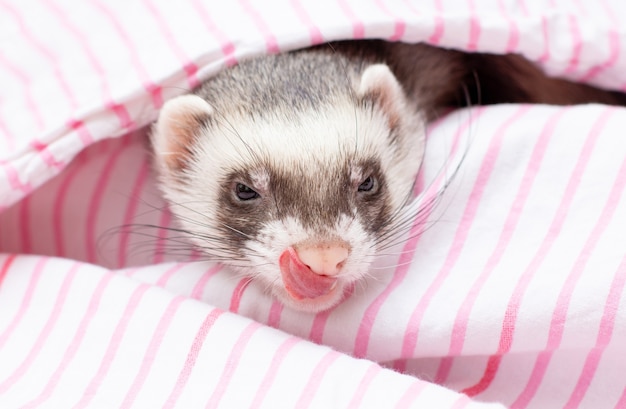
(301, 202)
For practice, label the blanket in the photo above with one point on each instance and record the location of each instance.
(509, 292)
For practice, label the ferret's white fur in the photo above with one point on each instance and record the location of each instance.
(315, 140)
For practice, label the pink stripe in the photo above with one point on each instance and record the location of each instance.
(399, 23)
(318, 326)
(235, 299)
(411, 334)
(614, 41)
(411, 394)
(270, 375)
(364, 385)
(506, 336)
(77, 339)
(153, 89)
(622, 400)
(461, 402)
(162, 235)
(319, 322)
(162, 281)
(189, 66)
(35, 274)
(14, 178)
(62, 17)
(45, 155)
(314, 32)
(25, 227)
(358, 27)
(612, 15)
(31, 102)
(192, 356)
(83, 134)
(8, 260)
(152, 351)
(80, 38)
(130, 272)
(438, 22)
(310, 390)
(45, 51)
(228, 48)
(270, 40)
(577, 45)
(99, 188)
(605, 333)
(9, 137)
(114, 344)
(129, 214)
(475, 29)
(439, 28)
(513, 41)
(524, 7)
(469, 215)
(406, 255)
(559, 315)
(615, 48)
(231, 364)
(42, 338)
(59, 205)
(198, 289)
(122, 115)
(546, 55)
(275, 312)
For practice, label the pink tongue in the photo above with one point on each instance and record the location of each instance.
(300, 282)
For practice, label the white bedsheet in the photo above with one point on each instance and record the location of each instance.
(512, 293)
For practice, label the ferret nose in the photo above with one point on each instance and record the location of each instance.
(324, 259)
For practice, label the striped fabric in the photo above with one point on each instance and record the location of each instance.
(511, 290)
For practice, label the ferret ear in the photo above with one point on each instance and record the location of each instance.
(176, 129)
(380, 85)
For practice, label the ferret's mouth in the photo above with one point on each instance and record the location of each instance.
(305, 289)
(318, 304)
(300, 281)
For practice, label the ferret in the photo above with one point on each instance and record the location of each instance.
(297, 169)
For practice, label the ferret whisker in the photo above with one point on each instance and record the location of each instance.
(297, 123)
(398, 229)
(392, 266)
(235, 132)
(245, 284)
(186, 90)
(184, 240)
(399, 235)
(204, 225)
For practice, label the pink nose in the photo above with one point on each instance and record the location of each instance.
(324, 259)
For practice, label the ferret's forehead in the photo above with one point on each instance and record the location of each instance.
(320, 137)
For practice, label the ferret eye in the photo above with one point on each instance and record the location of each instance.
(368, 184)
(244, 192)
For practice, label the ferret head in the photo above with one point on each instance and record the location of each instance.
(297, 197)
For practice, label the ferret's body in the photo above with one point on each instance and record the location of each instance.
(296, 169)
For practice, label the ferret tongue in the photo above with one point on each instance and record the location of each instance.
(300, 282)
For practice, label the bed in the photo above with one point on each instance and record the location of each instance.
(508, 293)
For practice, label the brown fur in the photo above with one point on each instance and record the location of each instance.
(439, 78)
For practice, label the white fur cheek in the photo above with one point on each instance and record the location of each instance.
(264, 252)
(402, 171)
(362, 252)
